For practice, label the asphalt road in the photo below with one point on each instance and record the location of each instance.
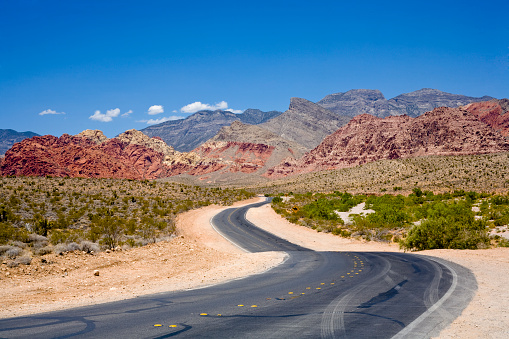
(311, 295)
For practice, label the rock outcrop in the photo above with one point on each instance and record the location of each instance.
(413, 104)
(443, 131)
(186, 134)
(131, 155)
(74, 156)
(305, 123)
(96, 136)
(494, 113)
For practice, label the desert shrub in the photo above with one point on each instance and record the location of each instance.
(24, 260)
(42, 226)
(43, 250)
(89, 247)
(277, 200)
(13, 252)
(7, 215)
(448, 226)
(503, 243)
(37, 238)
(19, 244)
(9, 233)
(58, 237)
(4, 248)
(72, 246)
(389, 211)
(62, 248)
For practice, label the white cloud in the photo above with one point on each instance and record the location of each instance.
(155, 109)
(158, 121)
(126, 114)
(198, 106)
(107, 117)
(234, 110)
(50, 111)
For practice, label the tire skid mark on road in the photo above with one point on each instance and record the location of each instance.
(407, 331)
(333, 322)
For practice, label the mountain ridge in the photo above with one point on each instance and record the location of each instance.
(9, 137)
(443, 131)
(186, 134)
(413, 104)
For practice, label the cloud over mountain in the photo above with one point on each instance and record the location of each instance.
(155, 109)
(105, 117)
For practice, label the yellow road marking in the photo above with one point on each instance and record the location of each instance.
(290, 292)
(254, 306)
(172, 326)
(158, 325)
(203, 314)
(240, 305)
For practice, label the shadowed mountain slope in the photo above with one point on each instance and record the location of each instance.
(9, 137)
(187, 134)
(413, 104)
(305, 123)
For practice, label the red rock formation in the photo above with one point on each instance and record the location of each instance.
(81, 157)
(443, 131)
(494, 113)
(237, 156)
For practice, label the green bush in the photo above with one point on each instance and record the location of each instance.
(448, 226)
(277, 200)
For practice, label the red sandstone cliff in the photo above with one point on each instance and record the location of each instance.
(443, 131)
(494, 113)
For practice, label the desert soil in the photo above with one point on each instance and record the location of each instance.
(198, 256)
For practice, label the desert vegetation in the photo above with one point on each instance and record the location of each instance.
(440, 174)
(421, 220)
(41, 215)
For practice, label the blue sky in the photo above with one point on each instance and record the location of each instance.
(118, 61)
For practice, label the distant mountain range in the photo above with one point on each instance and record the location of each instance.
(9, 137)
(223, 146)
(443, 131)
(413, 104)
(186, 134)
(305, 122)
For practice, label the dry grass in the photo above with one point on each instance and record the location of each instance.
(480, 173)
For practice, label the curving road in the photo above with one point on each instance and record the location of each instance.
(311, 295)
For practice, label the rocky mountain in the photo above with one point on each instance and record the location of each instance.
(187, 134)
(248, 148)
(413, 104)
(443, 131)
(131, 155)
(305, 123)
(494, 113)
(9, 137)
